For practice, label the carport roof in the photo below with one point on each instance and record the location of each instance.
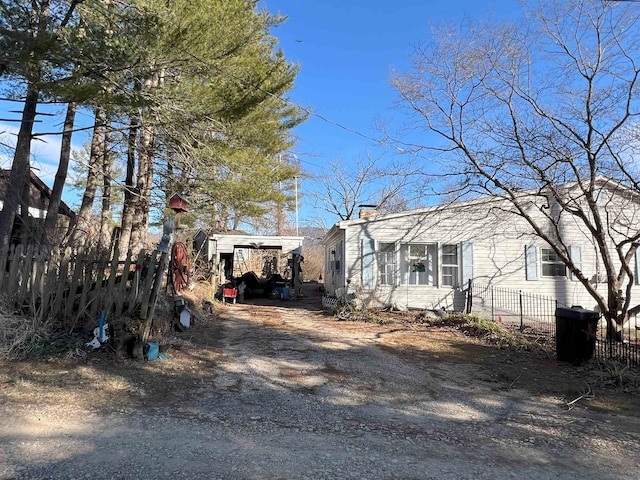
(226, 243)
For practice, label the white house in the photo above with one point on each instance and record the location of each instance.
(425, 258)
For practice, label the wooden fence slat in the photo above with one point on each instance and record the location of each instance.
(15, 259)
(99, 291)
(80, 260)
(113, 271)
(37, 282)
(62, 281)
(134, 293)
(87, 279)
(147, 285)
(25, 277)
(4, 260)
(122, 288)
(157, 283)
(108, 297)
(49, 289)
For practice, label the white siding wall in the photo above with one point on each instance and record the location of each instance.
(334, 264)
(499, 242)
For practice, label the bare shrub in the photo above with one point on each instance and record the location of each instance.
(18, 333)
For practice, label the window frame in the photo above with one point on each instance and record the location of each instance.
(452, 269)
(386, 260)
(549, 258)
(419, 269)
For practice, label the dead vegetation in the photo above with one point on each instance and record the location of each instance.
(19, 335)
(596, 375)
(469, 325)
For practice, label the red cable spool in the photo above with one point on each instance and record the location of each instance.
(179, 267)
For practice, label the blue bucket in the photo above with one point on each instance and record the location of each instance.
(151, 351)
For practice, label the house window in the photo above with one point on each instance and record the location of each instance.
(419, 264)
(552, 266)
(386, 263)
(450, 265)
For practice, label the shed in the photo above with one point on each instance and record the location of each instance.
(226, 247)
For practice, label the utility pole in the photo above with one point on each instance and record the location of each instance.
(296, 178)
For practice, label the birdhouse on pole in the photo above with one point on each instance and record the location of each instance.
(178, 204)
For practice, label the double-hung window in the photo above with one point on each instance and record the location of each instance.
(552, 266)
(450, 265)
(386, 263)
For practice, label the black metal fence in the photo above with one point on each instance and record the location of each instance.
(515, 308)
(624, 348)
(536, 313)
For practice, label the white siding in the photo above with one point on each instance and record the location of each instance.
(499, 242)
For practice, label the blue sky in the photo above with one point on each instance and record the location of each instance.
(347, 51)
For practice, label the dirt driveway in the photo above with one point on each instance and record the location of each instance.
(282, 391)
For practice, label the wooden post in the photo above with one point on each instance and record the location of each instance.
(121, 290)
(4, 259)
(147, 285)
(151, 305)
(60, 281)
(25, 277)
(134, 292)
(80, 260)
(15, 258)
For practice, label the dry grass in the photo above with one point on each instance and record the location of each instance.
(18, 334)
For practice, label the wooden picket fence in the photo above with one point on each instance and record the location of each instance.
(70, 289)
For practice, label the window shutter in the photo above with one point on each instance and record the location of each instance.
(368, 263)
(637, 279)
(433, 251)
(575, 253)
(467, 262)
(531, 262)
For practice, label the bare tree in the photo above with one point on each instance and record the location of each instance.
(548, 106)
(344, 187)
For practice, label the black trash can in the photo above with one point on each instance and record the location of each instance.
(575, 334)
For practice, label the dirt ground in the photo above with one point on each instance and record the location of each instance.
(272, 389)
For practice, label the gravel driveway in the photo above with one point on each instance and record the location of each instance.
(294, 394)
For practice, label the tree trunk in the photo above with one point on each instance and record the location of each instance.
(104, 242)
(84, 233)
(53, 236)
(130, 195)
(19, 178)
(143, 187)
(146, 156)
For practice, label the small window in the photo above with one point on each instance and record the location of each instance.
(450, 265)
(387, 263)
(552, 266)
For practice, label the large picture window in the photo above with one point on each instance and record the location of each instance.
(552, 266)
(387, 263)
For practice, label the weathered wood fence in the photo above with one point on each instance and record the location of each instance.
(70, 288)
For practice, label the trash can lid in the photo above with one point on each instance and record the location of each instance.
(577, 313)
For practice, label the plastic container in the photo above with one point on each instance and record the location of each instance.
(575, 334)
(151, 351)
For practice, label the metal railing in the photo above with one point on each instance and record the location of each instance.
(530, 311)
(514, 308)
(624, 347)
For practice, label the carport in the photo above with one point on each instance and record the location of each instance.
(229, 253)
